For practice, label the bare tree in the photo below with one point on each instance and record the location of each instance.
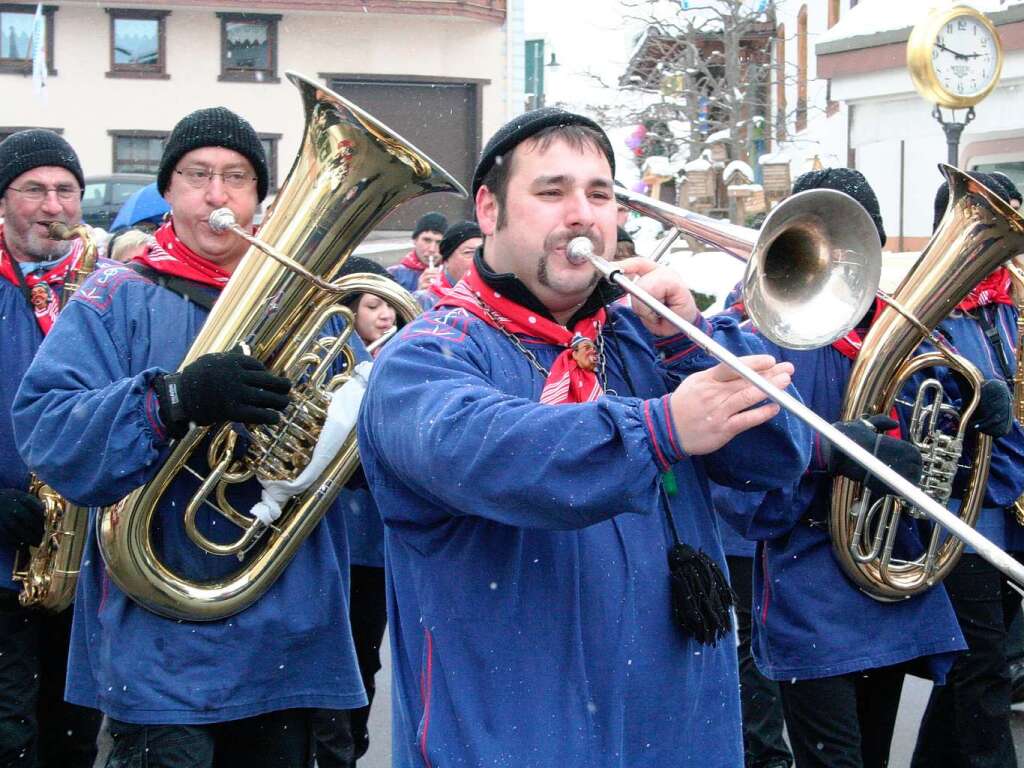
(706, 64)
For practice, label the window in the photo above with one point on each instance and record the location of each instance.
(137, 151)
(534, 74)
(269, 142)
(137, 43)
(16, 37)
(801, 69)
(248, 47)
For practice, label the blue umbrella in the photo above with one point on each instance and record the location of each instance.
(144, 205)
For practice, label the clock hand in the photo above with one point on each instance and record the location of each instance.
(955, 53)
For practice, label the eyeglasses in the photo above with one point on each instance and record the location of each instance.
(36, 193)
(200, 178)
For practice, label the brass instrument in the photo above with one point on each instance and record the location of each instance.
(812, 272)
(350, 172)
(48, 573)
(977, 234)
(1016, 271)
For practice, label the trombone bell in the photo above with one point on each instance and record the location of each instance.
(812, 269)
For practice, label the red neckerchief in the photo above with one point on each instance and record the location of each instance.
(45, 288)
(994, 289)
(412, 261)
(441, 285)
(172, 257)
(849, 346)
(567, 382)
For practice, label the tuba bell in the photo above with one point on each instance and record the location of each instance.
(350, 172)
(48, 573)
(977, 234)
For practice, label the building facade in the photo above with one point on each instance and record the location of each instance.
(886, 130)
(121, 75)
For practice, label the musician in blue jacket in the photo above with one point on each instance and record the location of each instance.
(555, 585)
(40, 181)
(967, 722)
(838, 654)
(760, 701)
(95, 417)
(417, 270)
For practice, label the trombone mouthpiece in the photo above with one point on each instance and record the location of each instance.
(580, 250)
(221, 220)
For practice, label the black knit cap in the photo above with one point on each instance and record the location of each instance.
(622, 236)
(993, 181)
(354, 264)
(430, 222)
(519, 129)
(849, 181)
(214, 127)
(1011, 188)
(35, 148)
(456, 235)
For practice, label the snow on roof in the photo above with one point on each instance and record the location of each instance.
(781, 156)
(722, 135)
(738, 166)
(748, 187)
(872, 17)
(700, 164)
(659, 165)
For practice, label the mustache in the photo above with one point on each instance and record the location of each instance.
(558, 240)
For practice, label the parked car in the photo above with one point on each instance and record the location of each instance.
(104, 196)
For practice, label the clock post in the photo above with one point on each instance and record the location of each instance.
(955, 58)
(953, 130)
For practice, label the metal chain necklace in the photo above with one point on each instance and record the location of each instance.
(532, 358)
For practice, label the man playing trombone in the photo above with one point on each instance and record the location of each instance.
(556, 594)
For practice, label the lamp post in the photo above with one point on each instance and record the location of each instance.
(953, 129)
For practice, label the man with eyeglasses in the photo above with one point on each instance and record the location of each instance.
(96, 416)
(40, 182)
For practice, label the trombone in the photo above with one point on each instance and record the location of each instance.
(799, 267)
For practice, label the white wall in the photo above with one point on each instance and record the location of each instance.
(86, 103)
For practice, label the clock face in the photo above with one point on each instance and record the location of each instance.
(964, 56)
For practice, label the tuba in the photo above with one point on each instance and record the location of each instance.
(1016, 270)
(350, 172)
(977, 234)
(48, 573)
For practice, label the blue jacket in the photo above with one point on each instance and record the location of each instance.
(528, 592)
(86, 419)
(731, 503)
(405, 276)
(20, 337)
(809, 619)
(364, 529)
(1006, 472)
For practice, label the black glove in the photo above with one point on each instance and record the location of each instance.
(220, 387)
(994, 415)
(21, 518)
(897, 454)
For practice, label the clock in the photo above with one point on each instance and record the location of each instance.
(954, 57)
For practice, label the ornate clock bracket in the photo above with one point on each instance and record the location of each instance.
(953, 130)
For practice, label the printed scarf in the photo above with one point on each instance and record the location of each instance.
(572, 378)
(44, 290)
(172, 257)
(994, 289)
(412, 261)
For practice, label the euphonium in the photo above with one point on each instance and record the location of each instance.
(350, 172)
(1016, 271)
(49, 573)
(977, 234)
